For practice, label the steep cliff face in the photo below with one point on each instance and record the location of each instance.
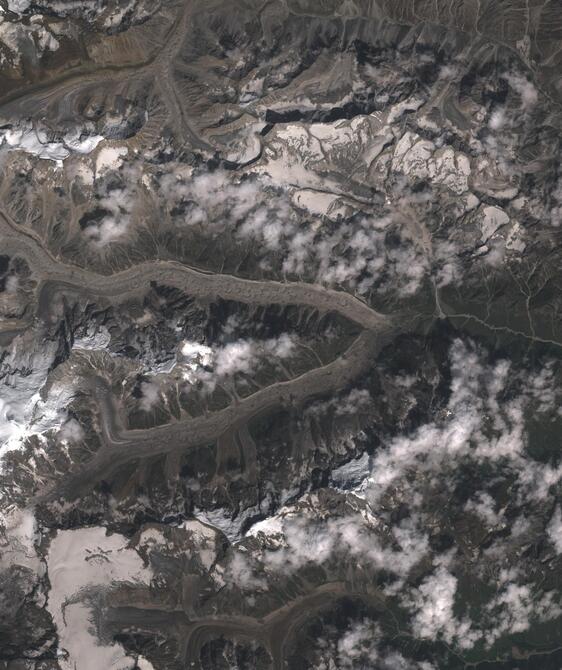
(280, 334)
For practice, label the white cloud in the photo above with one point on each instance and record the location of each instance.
(359, 643)
(239, 573)
(350, 403)
(212, 365)
(515, 608)
(359, 646)
(498, 119)
(351, 253)
(150, 395)
(483, 422)
(214, 199)
(194, 358)
(118, 203)
(544, 388)
(511, 610)
(448, 268)
(301, 535)
(71, 431)
(554, 530)
(432, 604)
(464, 431)
(483, 505)
(12, 284)
(18, 6)
(525, 88)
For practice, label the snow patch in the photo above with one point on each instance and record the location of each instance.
(48, 146)
(83, 561)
